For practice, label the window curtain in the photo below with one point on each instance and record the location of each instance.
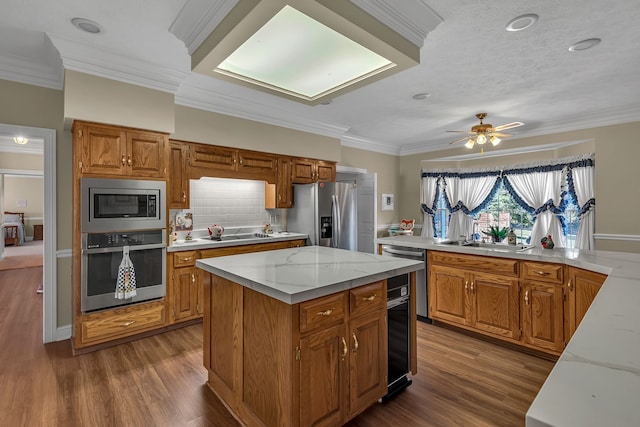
(580, 180)
(465, 195)
(430, 193)
(539, 191)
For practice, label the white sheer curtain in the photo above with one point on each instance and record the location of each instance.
(429, 193)
(543, 192)
(582, 178)
(466, 194)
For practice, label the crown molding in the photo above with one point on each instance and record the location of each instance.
(198, 19)
(412, 20)
(368, 144)
(205, 98)
(32, 71)
(98, 62)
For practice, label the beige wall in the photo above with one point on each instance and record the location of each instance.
(30, 190)
(195, 125)
(386, 166)
(101, 100)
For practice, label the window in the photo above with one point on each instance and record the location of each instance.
(441, 217)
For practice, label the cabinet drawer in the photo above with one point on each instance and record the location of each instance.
(184, 259)
(367, 298)
(123, 322)
(502, 266)
(322, 312)
(543, 271)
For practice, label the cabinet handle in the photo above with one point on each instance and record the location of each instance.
(570, 285)
(184, 196)
(129, 160)
(345, 350)
(355, 342)
(241, 161)
(185, 259)
(326, 313)
(369, 298)
(193, 278)
(129, 323)
(541, 273)
(466, 285)
(472, 286)
(124, 160)
(526, 297)
(279, 197)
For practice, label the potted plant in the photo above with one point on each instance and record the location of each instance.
(496, 233)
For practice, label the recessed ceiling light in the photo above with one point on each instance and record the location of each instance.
(584, 45)
(423, 95)
(522, 22)
(87, 25)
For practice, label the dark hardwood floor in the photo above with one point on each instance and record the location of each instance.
(160, 380)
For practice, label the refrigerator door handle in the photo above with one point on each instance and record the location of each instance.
(335, 221)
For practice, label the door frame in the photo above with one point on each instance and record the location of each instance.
(49, 270)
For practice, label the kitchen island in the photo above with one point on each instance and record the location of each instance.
(596, 380)
(297, 337)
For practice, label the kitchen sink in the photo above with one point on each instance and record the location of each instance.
(489, 246)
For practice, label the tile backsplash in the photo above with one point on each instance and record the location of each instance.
(228, 202)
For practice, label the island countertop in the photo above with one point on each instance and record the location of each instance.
(596, 380)
(301, 274)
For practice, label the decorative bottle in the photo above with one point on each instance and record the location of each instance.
(511, 237)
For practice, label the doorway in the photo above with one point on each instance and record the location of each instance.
(49, 270)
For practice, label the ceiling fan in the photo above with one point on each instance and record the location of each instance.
(484, 132)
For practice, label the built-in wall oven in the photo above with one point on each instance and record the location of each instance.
(122, 216)
(101, 257)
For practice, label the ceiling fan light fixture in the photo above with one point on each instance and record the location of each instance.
(481, 139)
(469, 144)
(20, 140)
(494, 140)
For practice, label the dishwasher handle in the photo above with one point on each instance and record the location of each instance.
(397, 302)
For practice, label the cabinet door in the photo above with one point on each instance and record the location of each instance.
(145, 154)
(184, 293)
(324, 359)
(104, 150)
(255, 163)
(368, 366)
(496, 307)
(213, 157)
(178, 180)
(542, 316)
(284, 190)
(303, 171)
(582, 286)
(325, 171)
(448, 294)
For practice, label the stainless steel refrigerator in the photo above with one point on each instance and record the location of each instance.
(327, 212)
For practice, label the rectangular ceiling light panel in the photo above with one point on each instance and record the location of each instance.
(298, 55)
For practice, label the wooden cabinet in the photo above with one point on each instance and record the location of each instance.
(542, 316)
(321, 362)
(582, 288)
(178, 179)
(462, 295)
(212, 157)
(112, 150)
(305, 171)
(226, 162)
(38, 232)
(184, 292)
(280, 194)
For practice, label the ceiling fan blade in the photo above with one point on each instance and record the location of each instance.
(509, 126)
(459, 140)
(460, 131)
(500, 135)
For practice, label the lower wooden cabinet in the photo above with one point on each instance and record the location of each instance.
(531, 303)
(320, 362)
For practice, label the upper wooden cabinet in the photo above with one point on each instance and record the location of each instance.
(178, 184)
(225, 162)
(280, 194)
(213, 157)
(306, 171)
(112, 150)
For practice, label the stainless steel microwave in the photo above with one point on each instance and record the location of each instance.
(110, 204)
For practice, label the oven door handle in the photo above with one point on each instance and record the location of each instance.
(119, 249)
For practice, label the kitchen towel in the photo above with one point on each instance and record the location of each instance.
(126, 283)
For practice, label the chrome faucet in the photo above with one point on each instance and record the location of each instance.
(476, 230)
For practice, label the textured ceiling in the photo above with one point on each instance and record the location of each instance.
(469, 64)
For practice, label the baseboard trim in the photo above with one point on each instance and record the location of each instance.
(63, 333)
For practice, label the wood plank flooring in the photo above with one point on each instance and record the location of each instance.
(160, 380)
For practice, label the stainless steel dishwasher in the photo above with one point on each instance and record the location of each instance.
(421, 275)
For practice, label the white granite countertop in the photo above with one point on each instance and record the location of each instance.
(206, 242)
(300, 274)
(596, 381)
